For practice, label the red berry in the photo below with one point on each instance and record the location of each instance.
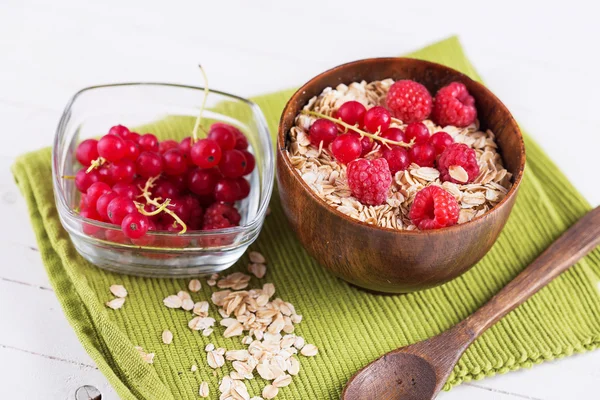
(83, 180)
(118, 208)
(346, 148)
(132, 136)
(202, 181)
(206, 153)
(369, 180)
(241, 143)
(180, 208)
(185, 146)
(90, 213)
(111, 147)
(454, 106)
(322, 130)
(365, 143)
(174, 162)
(146, 240)
(352, 112)
(180, 181)
(119, 130)
(132, 150)
(395, 134)
(458, 155)
(223, 136)
(228, 190)
(128, 190)
(377, 119)
(116, 236)
(397, 159)
(135, 225)
(422, 154)
(165, 189)
(149, 164)
(122, 171)
(417, 131)
(94, 192)
(219, 216)
(167, 145)
(87, 151)
(440, 140)
(233, 164)
(196, 213)
(244, 188)
(409, 101)
(148, 142)
(103, 202)
(434, 208)
(250, 162)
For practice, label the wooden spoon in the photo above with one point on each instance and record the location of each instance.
(419, 371)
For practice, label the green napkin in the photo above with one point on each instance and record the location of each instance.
(350, 327)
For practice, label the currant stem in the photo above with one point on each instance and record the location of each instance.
(357, 130)
(68, 176)
(159, 207)
(199, 118)
(98, 162)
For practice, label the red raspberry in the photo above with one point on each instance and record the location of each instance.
(409, 101)
(369, 180)
(434, 208)
(454, 106)
(219, 216)
(461, 155)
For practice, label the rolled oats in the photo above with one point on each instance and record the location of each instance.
(118, 290)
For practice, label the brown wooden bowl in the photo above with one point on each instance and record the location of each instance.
(383, 259)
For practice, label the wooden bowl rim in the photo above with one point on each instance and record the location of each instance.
(282, 149)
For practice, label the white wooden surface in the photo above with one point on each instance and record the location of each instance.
(540, 58)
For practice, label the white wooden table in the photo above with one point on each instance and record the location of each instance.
(541, 59)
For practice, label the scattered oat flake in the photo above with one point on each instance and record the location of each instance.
(457, 172)
(209, 347)
(270, 391)
(167, 336)
(258, 270)
(187, 304)
(194, 368)
(194, 285)
(309, 350)
(211, 282)
(256, 257)
(118, 290)
(282, 381)
(207, 332)
(172, 301)
(115, 304)
(182, 294)
(204, 390)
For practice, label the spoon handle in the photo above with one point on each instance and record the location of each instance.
(574, 244)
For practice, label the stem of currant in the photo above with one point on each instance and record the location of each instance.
(98, 162)
(362, 133)
(159, 207)
(199, 118)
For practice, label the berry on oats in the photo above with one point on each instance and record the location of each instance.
(352, 113)
(422, 154)
(397, 159)
(458, 155)
(395, 134)
(322, 130)
(440, 140)
(409, 101)
(369, 180)
(377, 119)
(418, 132)
(434, 208)
(365, 142)
(346, 147)
(454, 106)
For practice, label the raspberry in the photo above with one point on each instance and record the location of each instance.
(409, 101)
(454, 106)
(434, 208)
(219, 216)
(369, 180)
(461, 155)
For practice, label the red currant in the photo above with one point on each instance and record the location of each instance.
(105, 174)
(111, 147)
(83, 180)
(132, 150)
(185, 146)
(365, 143)
(135, 225)
(440, 140)
(87, 151)
(149, 164)
(352, 112)
(223, 136)
(322, 130)
(90, 213)
(417, 131)
(174, 162)
(180, 181)
(148, 142)
(145, 240)
(165, 190)
(202, 181)
(116, 236)
(118, 208)
(377, 119)
(233, 163)
(395, 134)
(250, 162)
(227, 190)
(346, 148)
(119, 130)
(397, 158)
(132, 136)
(206, 153)
(103, 202)
(244, 188)
(180, 208)
(241, 143)
(94, 192)
(422, 154)
(167, 145)
(128, 190)
(122, 171)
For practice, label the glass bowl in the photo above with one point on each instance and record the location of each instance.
(172, 110)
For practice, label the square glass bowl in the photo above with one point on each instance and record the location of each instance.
(171, 110)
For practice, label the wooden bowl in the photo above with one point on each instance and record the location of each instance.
(383, 259)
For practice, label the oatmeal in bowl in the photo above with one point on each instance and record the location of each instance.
(434, 142)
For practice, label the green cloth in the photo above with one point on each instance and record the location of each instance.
(350, 327)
